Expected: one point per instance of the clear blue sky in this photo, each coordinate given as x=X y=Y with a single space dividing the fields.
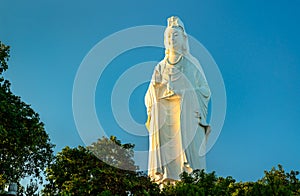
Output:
x=255 y=44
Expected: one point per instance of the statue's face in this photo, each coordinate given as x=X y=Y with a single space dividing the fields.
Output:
x=175 y=38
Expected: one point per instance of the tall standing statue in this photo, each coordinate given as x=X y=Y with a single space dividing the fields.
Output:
x=177 y=101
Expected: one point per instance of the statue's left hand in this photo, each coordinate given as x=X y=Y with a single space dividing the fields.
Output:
x=167 y=94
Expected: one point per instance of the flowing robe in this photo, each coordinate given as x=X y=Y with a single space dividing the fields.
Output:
x=177 y=124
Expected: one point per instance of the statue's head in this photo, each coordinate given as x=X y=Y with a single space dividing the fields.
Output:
x=175 y=37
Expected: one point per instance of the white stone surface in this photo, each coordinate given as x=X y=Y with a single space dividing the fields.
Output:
x=176 y=101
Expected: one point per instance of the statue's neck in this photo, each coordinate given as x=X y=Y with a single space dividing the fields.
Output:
x=174 y=57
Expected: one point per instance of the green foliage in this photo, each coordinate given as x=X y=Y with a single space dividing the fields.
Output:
x=200 y=183
x=25 y=148
x=4 y=56
x=112 y=152
x=275 y=182
x=2 y=182
x=77 y=171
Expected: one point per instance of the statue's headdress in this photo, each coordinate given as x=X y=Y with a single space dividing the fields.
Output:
x=174 y=22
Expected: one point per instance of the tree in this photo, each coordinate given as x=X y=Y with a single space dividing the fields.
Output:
x=78 y=171
x=196 y=183
x=277 y=182
x=2 y=183
x=25 y=148
x=114 y=153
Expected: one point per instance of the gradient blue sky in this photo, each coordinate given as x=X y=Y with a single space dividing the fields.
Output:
x=255 y=44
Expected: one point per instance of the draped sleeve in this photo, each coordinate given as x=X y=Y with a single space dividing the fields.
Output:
x=151 y=94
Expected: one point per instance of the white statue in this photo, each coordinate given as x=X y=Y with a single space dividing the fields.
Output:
x=177 y=101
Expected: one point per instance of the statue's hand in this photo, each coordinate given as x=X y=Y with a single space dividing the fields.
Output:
x=167 y=94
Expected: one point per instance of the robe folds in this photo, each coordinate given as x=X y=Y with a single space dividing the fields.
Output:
x=177 y=124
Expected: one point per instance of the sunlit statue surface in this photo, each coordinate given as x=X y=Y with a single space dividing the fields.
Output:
x=177 y=103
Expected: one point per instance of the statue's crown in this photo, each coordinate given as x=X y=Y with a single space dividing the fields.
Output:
x=174 y=21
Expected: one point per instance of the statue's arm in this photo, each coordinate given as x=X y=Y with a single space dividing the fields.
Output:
x=157 y=75
x=150 y=96
x=148 y=103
